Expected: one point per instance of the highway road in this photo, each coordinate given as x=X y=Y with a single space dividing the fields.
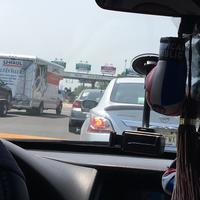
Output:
x=47 y=125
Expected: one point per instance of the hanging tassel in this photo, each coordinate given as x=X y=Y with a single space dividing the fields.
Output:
x=187 y=186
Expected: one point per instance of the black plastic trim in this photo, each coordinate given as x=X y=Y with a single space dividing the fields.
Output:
x=77 y=146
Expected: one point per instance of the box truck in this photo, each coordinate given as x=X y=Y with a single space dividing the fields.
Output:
x=34 y=82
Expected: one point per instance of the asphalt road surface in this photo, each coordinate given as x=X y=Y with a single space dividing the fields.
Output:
x=47 y=125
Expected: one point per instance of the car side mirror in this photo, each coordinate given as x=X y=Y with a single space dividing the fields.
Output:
x=144 y=63
x=88 y=104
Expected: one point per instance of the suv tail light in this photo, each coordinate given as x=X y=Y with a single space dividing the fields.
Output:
x=99 y=125
x=76 y=104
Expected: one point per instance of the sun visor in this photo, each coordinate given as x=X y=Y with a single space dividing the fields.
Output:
x=176 y=8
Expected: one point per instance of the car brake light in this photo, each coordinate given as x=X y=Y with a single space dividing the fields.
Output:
x=99 y=125
x=76 y=104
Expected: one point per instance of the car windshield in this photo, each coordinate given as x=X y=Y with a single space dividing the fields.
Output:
x=54 y=53
x=131 y=93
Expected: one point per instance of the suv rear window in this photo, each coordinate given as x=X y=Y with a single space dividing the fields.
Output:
x=131 y=93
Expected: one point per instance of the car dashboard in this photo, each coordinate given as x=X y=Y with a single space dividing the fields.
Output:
x=67 y=174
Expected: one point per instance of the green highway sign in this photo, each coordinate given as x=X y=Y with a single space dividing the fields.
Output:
x=83 y=67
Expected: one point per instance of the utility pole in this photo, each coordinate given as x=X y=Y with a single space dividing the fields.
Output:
x=125 y=66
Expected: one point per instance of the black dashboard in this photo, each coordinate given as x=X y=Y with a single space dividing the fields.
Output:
x=82 y=175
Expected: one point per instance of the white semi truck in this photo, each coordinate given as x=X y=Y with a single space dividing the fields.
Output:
x=34 y=82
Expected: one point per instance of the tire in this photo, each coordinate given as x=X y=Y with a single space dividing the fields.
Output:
x=9 y=97
x=3 y=109
x=73 y=128
x=30 y=111
x=59 y=109
x=40 y=110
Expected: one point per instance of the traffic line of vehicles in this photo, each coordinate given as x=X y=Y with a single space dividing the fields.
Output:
x=118 y=109
x=29 y=83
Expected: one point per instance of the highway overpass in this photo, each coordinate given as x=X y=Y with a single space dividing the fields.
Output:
x=88 y=78
x=84 y=76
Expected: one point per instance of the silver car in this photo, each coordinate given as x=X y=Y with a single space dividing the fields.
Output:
x=78 y=113
x=120 y=109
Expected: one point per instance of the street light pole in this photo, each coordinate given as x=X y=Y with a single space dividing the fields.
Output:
x=125 y=66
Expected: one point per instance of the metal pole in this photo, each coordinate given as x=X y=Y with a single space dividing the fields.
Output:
x=146 y=114
x=147 y=110
x=125 y=67
x=93 y=84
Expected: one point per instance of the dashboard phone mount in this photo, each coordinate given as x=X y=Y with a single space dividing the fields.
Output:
x=142 y=141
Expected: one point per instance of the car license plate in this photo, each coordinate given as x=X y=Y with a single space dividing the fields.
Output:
x=170 y=138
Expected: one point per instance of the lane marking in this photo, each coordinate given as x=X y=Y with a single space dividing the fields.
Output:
x=23 y=136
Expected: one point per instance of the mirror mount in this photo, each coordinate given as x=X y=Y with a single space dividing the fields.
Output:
x=143 y=64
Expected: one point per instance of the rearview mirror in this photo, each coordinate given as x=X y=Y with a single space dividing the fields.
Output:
x=176 y=8
x=144 y=63
x=88 y=104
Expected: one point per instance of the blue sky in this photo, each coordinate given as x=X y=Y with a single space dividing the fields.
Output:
x=77 y=30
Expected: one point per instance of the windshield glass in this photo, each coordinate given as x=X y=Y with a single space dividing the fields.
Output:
x=51 y=51
x=131 y=93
